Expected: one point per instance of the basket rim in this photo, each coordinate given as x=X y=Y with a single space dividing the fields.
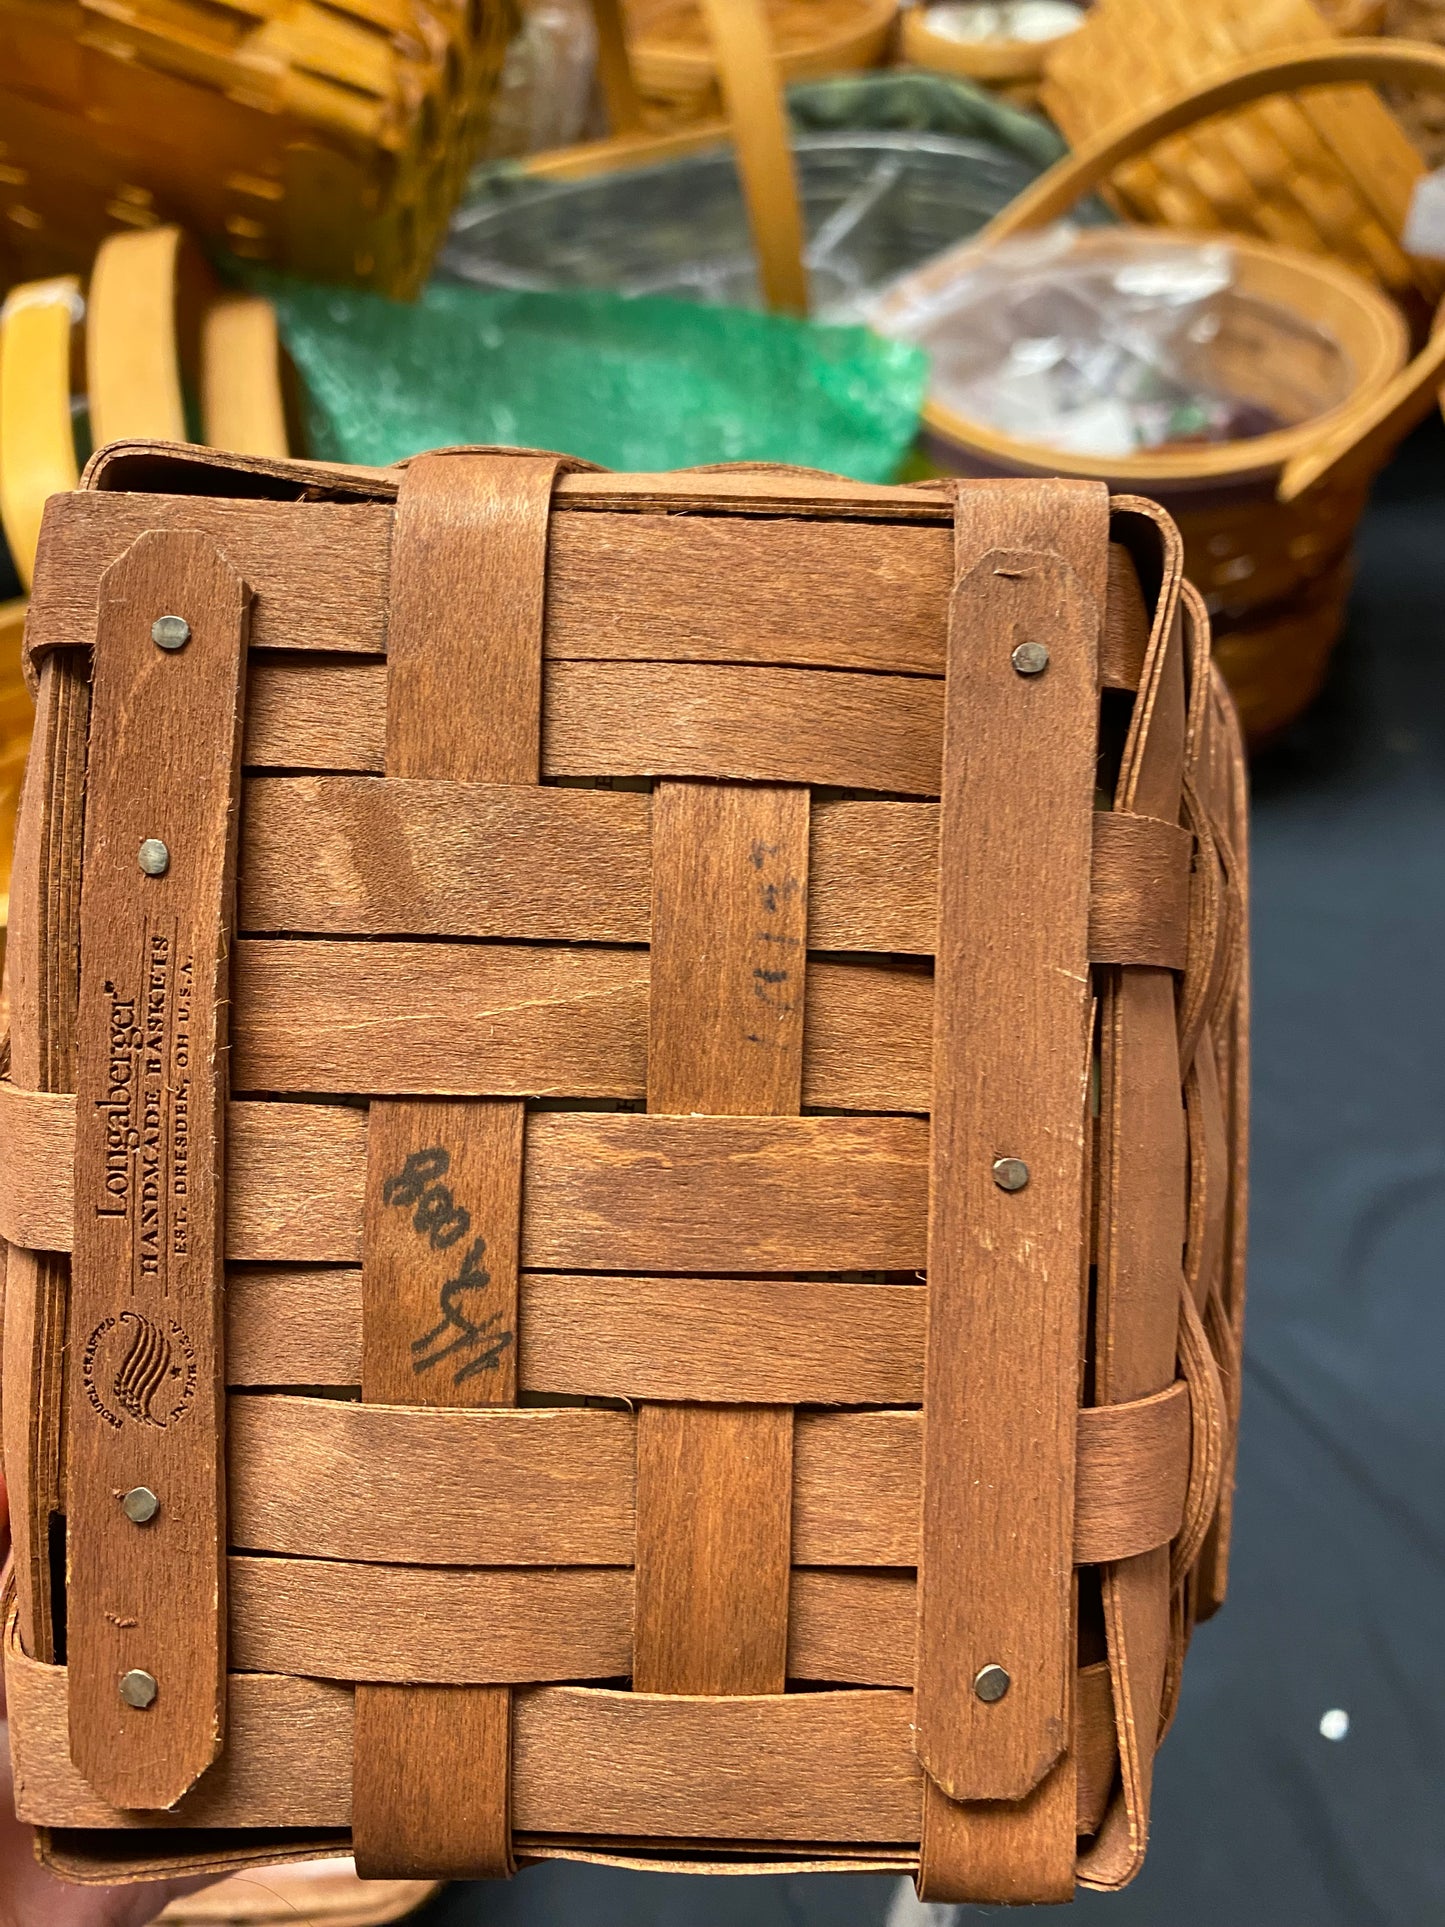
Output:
x=994 y=60
x=664 y=63
x=1376 y=362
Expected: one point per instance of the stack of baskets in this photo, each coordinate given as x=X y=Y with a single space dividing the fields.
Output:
x=332 y=138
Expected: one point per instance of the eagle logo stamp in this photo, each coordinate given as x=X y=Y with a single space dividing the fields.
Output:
x=135 y=1370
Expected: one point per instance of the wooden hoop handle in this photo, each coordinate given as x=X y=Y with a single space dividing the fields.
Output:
x=156 y=322
x=749 y=76
x=1365 y=432
x=37 y=436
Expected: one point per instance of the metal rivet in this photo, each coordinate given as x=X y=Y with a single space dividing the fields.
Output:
x=137 y=1688
x=170 y=632
x=155 y=858
x=1030 y=658
x=1010 y=1174
x=991 y=1683
x=140 y=1505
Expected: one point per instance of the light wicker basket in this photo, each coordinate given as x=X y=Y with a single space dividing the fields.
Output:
x=676 y=71
x=1331 y=172
x=1423 y=120
x=1014 y=68
x=329 y=139
x=1267 y=523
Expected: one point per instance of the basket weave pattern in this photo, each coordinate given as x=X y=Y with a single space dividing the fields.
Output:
x=584 y=1104
x=337 y=139
x=1331 y=171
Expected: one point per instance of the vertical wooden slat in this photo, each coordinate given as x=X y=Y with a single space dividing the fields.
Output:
x=146 y=1601
x=1007 y=1221
x=432 y=1766
x=714 y=1483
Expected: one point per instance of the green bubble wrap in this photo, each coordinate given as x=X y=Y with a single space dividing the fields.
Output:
x=632 y=384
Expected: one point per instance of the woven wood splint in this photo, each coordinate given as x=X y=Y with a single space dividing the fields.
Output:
x=672 y=915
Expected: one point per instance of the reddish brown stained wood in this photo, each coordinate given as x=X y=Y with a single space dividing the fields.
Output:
x=729 y=949
x=407 y=1742
x=344 y=856
x=539 y=1487
x=507 y=1019
x=1006 y=1268
x=742 y=1340
x=786 y=1766
x=855 y=1485
x=288 y=1761
x=145 y=1354
x=439 y=1276
x=603 y=1191
x=443 y=1197
x=968 y=1856
x=330 y=1619
x=610 y=1192
x=41 y=966
x=293 y=1327
x=638 y=719
x=725 y=1036
x=469 y=546
x=853 y=1628
x=714 y=1498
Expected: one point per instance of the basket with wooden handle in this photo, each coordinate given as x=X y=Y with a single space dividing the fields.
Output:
x=1331 y=171
x=660 y=213
x=1267 y=522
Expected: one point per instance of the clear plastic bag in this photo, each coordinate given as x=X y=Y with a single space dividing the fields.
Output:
x=1113 y=343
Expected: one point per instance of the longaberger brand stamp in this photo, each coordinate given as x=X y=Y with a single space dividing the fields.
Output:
x=145 y=1106
x=136 y=1368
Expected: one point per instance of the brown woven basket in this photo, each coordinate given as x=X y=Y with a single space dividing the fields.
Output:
x=1331 y=171
x=1267 y=523
x=640 y=1163
x=330 y=139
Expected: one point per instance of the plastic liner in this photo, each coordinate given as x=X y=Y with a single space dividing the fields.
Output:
x=1112 y=344
x=892 y=169
x=629 y=384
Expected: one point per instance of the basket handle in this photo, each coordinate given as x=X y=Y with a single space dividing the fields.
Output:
x=750 y=80
x=1368 y=430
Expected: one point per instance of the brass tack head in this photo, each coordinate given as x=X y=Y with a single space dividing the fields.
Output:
x=138 y=1689
x=1030 y=658
x=991 y=1683
x=1010 y=1174
x=170 y=632
x=140 y=1505
x=155 y=858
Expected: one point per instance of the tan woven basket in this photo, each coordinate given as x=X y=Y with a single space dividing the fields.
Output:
x=1332 y=171
x=333 y=140
x=1267 y=523
x=1422 y=119
x=640 y=1164
x=671 y=46
x=1014 y=68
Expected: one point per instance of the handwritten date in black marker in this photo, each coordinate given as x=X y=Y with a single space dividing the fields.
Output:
x=438 y=1217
